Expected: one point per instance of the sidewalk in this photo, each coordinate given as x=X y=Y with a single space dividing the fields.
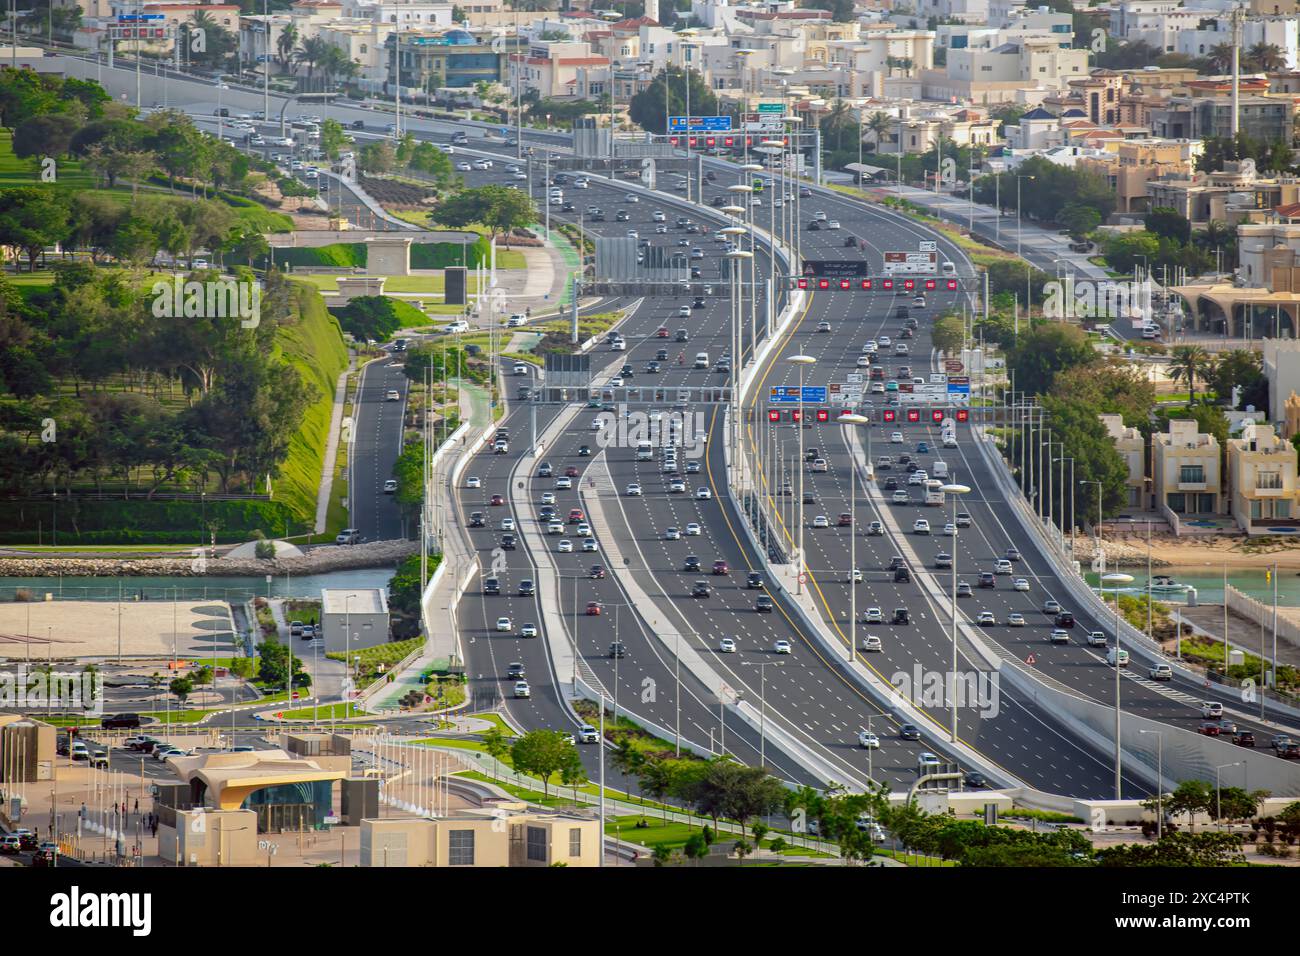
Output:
x=332 y=447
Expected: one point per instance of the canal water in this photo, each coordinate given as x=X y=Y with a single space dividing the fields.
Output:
x=1209 y=584
x=235 y=590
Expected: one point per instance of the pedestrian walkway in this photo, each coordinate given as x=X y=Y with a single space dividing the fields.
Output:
x=332 y=448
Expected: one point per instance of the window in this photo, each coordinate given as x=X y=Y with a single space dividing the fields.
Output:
x=1191 y=474
x=1269 y=480
x=537 y=844
x=575 y=842
x=460 y=848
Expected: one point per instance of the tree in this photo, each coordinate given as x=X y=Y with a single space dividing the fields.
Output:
x=497 y=746
x=311 y=54
x=743 y=850
x=181 y=688
x=49 y=135
x=496 y=208
x=628 y=759
x=1169 y=224
x=1079 y=219
x=32 y=218
x=1267 y=57
x=1045 y=350
x=666 y=95
x=696 y=848
x=878 y=124
x=377 y=157
x=242 y=667
x=284 y=46
x=948 y=334
x=1190 y=797
x=1220 y=57
x=333 y=138
x=1243 y=369
x=1189 y=363
x=541 y=753
x=841 y=11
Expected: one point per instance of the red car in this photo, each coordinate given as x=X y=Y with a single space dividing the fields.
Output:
x=597 y=572
x=593 y=609
x=720 y=567
x=576 y=515
x=498 y=499
x=1210 y=728
x=846 y=520
x=571 y=471
x=661 y=332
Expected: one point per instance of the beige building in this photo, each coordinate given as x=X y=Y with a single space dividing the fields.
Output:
x=1262 y=476
x=1188 y=477
x=27 y=748
x=1282 y=369
x=1132 y=448
x=1137 y=162
x=505 y=835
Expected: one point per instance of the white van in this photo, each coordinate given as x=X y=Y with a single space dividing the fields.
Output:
x=939 y=469
x=1123 y=657
x=458 y=326
x=949 y=269
x=701 y=360
x=645 y=451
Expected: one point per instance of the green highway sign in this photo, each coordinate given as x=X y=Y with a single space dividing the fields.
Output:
x=771 y=107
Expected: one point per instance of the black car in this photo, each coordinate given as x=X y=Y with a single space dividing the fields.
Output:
x=909 y=732
x=896 y=562
x=358 y=124
x=476 y=520
x=661 y=355
x=763 y=605
x=508 y=542
x=986 y=580
x=902 y=575
x=617 y=649
x=700 y=589
x=681 y=336
x=1065 y=619
x=976 y=781
x=584 y=451
x=718 y=201
x=901 y=616
x=492 y=586
x=891 y=484
x=515 y=671
x=811 y=454
x=121 y=721
x=626 y=371
x=546 y=514
x=698 y=303
x=653 y=368
x=1243 y=738
x=814 y=226
x=754 y=580
x=809 y=498
x=692 y=563
x=526 y=588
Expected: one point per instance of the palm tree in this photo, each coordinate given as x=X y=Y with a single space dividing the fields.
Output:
x=1267 y=57
x=879 y=124
x=314 y=51
x=1221 y=56
x=1190 y=362
x=284 y=44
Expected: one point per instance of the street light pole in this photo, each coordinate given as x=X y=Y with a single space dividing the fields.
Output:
x=955 y=490
x=852 y=418
x=802 y=361
x=1160 y=781
x=1117 y=579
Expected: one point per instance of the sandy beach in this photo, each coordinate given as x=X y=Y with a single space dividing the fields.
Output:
x=1198 y=552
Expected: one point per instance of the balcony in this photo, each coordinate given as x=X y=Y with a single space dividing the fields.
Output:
x=1269 y=492
x=1193 y=486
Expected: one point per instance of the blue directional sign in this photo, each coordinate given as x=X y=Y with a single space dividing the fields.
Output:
x=958 y=385
x=789 y=395
x=699 y=124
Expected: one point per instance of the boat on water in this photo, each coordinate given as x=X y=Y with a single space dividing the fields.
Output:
x=1164 y=584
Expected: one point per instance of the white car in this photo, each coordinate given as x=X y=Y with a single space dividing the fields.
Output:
x=1015 y=619
x=921 y=526
x=1051 y=607
x=503 y=624
x=659 y=216
x=926 y=762
x=782 y=647
x=684 y=312
x=563 y=483
x=896 y=438
x=548 y=497
x=522 y=690
x=589 y=545
x=631 y=197
x=672 y=534
x=986 y=617
x=565 y=546
x=901 y=497
x=950 y=529
x=872 y=643
x=868 y=740
x=390 y=486
x=856 y=576
x=693 y=530
x=1059 y=636
x=1020 y=584
x=634 y=490
x=588 y=734
x=464 y=167
x=507 y=524
x=555 y=527
x=833 y=224
x=703 y=494
x=473 y=482
x=520 y=368
x=821 y=521
x=583 y=530
x=727 y=646
x=677 y=486
x=528 y=630
x=597 y=424
x=873 y=615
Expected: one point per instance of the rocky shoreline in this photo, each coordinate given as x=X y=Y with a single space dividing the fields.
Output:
x=374 y=554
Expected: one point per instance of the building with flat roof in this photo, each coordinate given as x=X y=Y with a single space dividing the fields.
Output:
x=504 y=835
x=1188 y=475
x=285 y=791
x=27 y=748
x=1262 y=476
x=354 y=617
x=1132 y=448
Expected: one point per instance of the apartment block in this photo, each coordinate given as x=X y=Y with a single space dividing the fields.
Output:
x=1132 y=448
x=1262 y=476
x=1188 y=477
x=1282 y=369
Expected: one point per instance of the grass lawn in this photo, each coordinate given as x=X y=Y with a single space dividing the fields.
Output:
x=522 y=793
x=326 y=712
x=500 y=724
x=70 y=174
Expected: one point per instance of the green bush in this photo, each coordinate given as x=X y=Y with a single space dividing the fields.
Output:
x=91 y=521
x=347 y=255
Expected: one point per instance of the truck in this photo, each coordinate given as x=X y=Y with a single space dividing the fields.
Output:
x=645 y=451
